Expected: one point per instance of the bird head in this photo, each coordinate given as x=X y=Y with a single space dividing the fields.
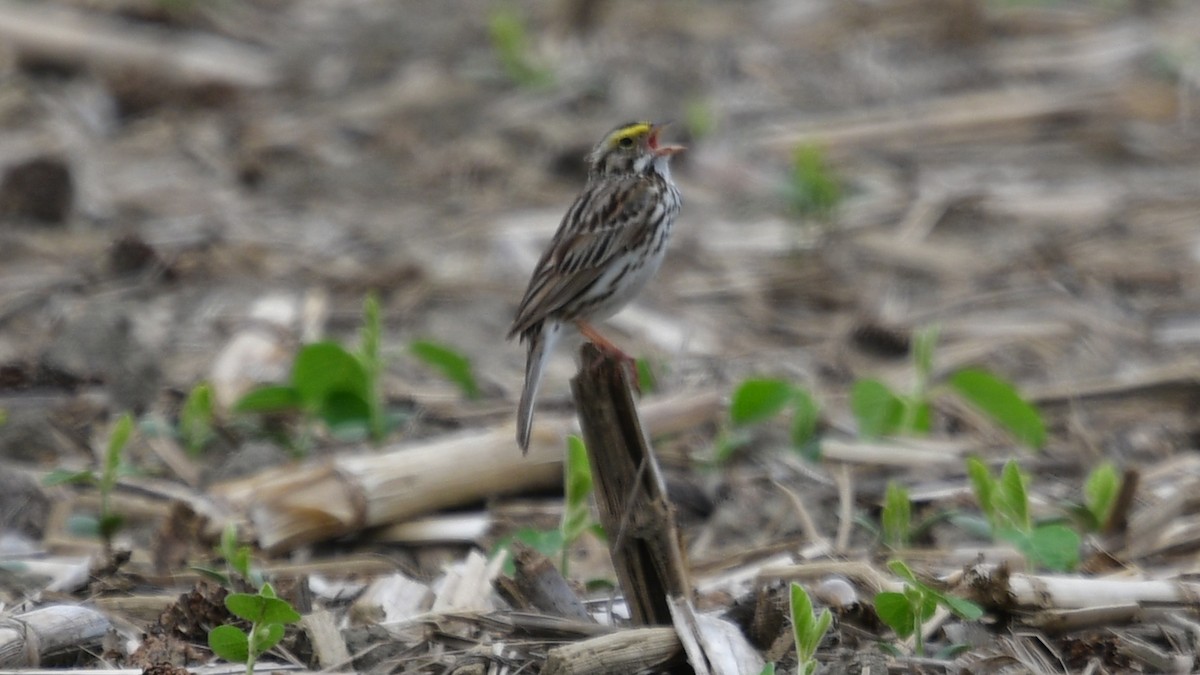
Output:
x=631 y=148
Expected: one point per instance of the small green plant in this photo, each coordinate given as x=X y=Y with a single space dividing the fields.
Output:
x=758 y=400
x=336 y=386
x=196 y=420
x=647 y=378
x=880 y=411
x=1100 y=493
x=999 y=400
x=108 y=523
x=267 y=615
x=807 y=629
x=905 y=612
x=237 y=562
x=1004 y=501
x=577 y=514
x=511 y=43
x=896 y=518
x=450 y=363
x=814 y=190
x=698 y=118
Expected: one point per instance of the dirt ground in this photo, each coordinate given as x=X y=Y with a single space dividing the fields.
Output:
x=1024 y=175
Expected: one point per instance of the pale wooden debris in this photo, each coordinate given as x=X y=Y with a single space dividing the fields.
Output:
x=467 y=585
x=100 y=40
x=295 y=505
x=327 y=643
x=1063 y=592
x=1010 y=113
x=391 y=599
x=26 y=639
x=713 y=646
x=628 y=651
x=894 y=452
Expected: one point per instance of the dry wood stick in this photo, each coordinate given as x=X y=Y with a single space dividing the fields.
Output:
x=630 y=492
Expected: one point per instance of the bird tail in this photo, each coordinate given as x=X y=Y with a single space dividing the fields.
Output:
x=541 y=341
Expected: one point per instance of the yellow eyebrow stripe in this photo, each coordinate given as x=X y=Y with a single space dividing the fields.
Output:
x=634 y=131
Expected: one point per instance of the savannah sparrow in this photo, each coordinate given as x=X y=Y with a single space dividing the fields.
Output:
x=608 y=245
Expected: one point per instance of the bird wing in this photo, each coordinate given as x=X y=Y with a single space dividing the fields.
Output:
x=602 y=223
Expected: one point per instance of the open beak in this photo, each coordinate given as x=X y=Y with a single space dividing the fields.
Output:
x=662 y=150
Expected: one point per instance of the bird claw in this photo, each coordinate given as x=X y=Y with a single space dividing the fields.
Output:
x=609 y=350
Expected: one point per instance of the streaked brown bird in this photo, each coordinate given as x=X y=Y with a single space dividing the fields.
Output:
x=608 y=245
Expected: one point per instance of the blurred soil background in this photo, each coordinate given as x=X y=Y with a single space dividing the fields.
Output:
x=179 y=179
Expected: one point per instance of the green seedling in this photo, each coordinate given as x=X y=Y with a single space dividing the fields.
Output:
x=647 y=379
x=814 y=190
x=905 y=612
x=1004 y=501
x=896 y=518
x=511 y=43
x=196 y=420
x=108 y=523
x=1100 y=494
x=698 y=118
x=1000 y=401
x=758 y=400
x=450 y=363
x=577 y=514
x=807 y=629
x=267 y=615
x=237 y=562
x=880 y=411
x=333 y=385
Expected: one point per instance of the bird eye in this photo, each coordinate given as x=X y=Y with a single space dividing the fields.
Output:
x=626 y=142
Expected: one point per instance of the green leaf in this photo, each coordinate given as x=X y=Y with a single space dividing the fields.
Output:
x=999 y=400
x=877 y=409
x=269 y=399
x=896 y=518
x=547 y=542
x=961 y=606
x=118 y=438
x=984 y=486
x=229 y=643
x=265 y=636
x=369 y=338
x=1100 y=492
x=805 y=418
x=347 y=414
x=815 y=191
x=901 y=570
x=578 y=484
x=808 y=630
x=1055 y=547
x=65 y=476
x=322 y=368
x=261 y=607
x=1012 y=500
x=894 y=610
x=923 y=344
x=450 y=363
x=915 y=416
x=768 y=669
x=647 y=381
x=756 y=400
x=196 y=419
x=507 y=29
